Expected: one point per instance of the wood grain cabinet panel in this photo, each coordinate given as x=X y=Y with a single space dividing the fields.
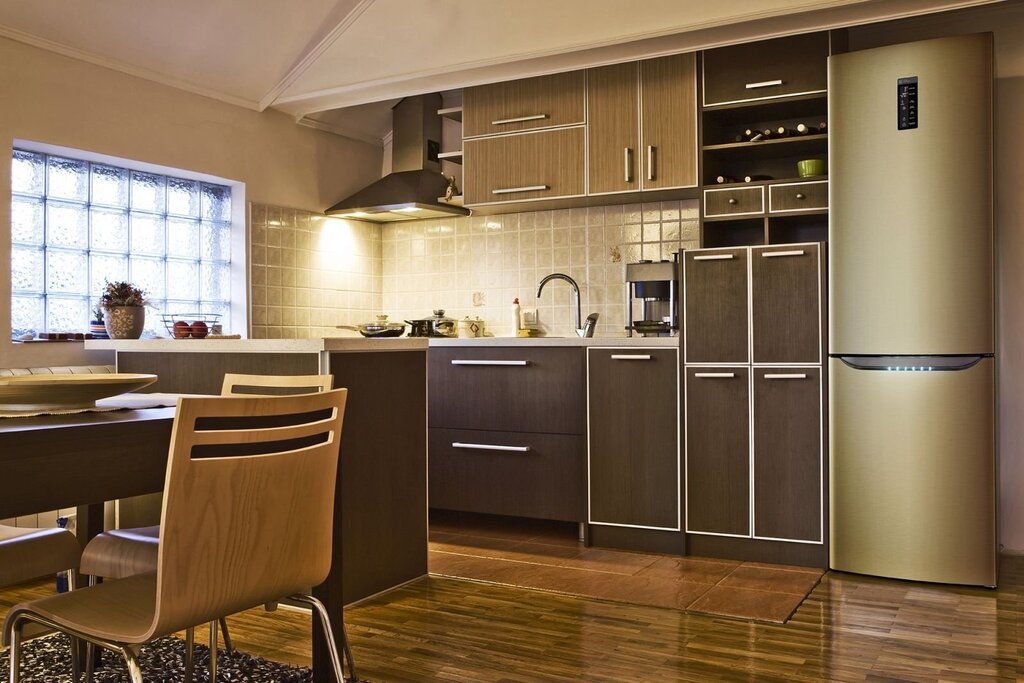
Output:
x=715 y=305
x=734 y=201
x=633 y=406
x=794 y=197
x=543 y=476
x=507 y=389
x=788 y=453
x=767 y=69
x=613 y=128
x=669 y=121
x=786 y=303
x=510 y=168
x=718 y=450
x=524 y=104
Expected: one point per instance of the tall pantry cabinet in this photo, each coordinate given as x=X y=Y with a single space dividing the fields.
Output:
x=754 y=400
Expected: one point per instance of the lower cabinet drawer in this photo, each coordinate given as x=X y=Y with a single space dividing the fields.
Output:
x=508 y=473
x=734 y=201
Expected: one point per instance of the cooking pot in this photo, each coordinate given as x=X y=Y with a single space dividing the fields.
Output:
x=438 y=326
x=380 y=328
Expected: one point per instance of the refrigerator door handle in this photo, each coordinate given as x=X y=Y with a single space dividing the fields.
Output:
x=913 y=363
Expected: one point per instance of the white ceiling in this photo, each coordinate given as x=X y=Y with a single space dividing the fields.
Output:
x=310 y=56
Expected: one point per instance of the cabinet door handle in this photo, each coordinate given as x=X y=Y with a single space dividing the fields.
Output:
x=732 y=200
x=787 y=375
x=629 y=164
x=519 y=119
x=490 y=447
x=801 y=195
x=763 y=84
x=528 y=188
x=650 y=162
x=713 y=375
x=777 y=254
x=490 y=362
x=714 y=257
x=631 y=356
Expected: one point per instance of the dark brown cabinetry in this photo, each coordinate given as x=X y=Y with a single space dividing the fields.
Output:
x=715 y=311
x=765 y=108
x=754 y=388
x=507 y=431
x=633 y=409
x=787 y=468
x=718 y=450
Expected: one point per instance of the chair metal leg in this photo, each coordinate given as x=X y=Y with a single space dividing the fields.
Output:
x=228 y=647
x=332 y=647
x=190 y=654
x=132 y=660
x=15 y=654
x=213 y=652
x=90 y=662
x=76 y=660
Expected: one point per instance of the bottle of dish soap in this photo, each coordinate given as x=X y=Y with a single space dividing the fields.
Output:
x=517 y=321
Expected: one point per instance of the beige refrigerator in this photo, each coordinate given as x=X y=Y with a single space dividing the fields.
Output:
x=911 y=312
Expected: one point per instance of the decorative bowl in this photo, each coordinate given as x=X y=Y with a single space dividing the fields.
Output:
x=41 y=392
x=807 y=168
x=190 y=325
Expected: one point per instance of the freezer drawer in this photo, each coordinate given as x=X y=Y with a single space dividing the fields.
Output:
x=912 y=473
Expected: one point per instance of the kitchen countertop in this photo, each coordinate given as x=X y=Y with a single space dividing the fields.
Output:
x=560 y=341
x=337 y=344
x=359 y=344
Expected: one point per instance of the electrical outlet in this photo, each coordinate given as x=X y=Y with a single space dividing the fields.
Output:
x=529 y=318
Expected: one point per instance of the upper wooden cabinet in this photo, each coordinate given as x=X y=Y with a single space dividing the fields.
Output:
x=668 y=92
x=641 y=125
x=794 y=65
x=537 y=165
x=524 y=104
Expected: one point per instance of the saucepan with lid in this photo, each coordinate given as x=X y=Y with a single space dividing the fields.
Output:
x=381 y=327
x=438 y=326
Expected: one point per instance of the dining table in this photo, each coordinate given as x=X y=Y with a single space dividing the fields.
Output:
x=49 y=462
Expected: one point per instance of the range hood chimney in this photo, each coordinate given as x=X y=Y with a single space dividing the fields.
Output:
x=415 y=187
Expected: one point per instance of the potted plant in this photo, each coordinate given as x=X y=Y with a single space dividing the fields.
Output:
x=124 y=305
x=96 y=326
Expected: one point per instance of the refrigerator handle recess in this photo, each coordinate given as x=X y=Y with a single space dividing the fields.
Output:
x=913 y=363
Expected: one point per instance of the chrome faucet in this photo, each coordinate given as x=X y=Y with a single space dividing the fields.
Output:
x=582 y=329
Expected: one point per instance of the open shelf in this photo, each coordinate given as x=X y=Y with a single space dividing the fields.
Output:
x=791 y=146
x=803 y=227
x=732 y=232
x=454 y=157
x=453 y=113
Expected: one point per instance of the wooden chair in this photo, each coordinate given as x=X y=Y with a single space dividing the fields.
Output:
x=230 y=540
x=118 y=553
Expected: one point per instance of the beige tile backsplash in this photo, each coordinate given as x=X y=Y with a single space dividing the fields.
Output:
x=310 y=272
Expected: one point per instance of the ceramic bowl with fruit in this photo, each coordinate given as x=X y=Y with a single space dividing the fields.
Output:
x=190 y=325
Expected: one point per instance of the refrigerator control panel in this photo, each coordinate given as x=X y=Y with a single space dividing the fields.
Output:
x=906 y=98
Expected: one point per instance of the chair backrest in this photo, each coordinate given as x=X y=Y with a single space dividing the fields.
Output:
x=257 y=385
x=248 y=504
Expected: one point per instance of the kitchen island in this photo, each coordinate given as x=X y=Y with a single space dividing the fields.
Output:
x=381 y=509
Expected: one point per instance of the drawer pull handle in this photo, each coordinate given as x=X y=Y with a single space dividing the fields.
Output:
x=801 y=195
x=631 y=356
x=490 y=362
x=777 y=254
x=732 y=200
x=714 y=375
x=763 y=84
x=650 y=162
x=629 y=165
x=519 y=119
x=490 y=447
x=793 y=375
x=714 y=257
x=528 y=188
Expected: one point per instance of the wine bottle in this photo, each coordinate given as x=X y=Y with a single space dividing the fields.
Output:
x=768 y=133
x=755 y=178
x=784 y=132
x=722 y=179
x=804 y=129
x=823 y=127
x=756 y=135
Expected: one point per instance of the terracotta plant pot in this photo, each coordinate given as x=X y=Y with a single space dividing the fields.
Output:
x=125 y=322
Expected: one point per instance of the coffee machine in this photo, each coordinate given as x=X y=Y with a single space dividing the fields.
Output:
x=654 y=285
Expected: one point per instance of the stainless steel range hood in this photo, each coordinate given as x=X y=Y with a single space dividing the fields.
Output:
x=415 y=187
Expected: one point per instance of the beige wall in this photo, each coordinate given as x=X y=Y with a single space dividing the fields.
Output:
x=56 y=100
x=1007 y=23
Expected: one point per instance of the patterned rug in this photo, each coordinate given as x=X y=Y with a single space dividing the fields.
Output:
x=48 y=660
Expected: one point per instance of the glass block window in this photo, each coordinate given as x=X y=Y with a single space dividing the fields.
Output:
x=77 y=224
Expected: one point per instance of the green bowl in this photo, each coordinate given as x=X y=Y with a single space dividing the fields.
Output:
x=810 y=167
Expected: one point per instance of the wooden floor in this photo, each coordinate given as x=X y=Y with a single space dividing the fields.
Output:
x=850 y=628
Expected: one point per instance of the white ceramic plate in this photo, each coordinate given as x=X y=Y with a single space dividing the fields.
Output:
x=37 y=392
